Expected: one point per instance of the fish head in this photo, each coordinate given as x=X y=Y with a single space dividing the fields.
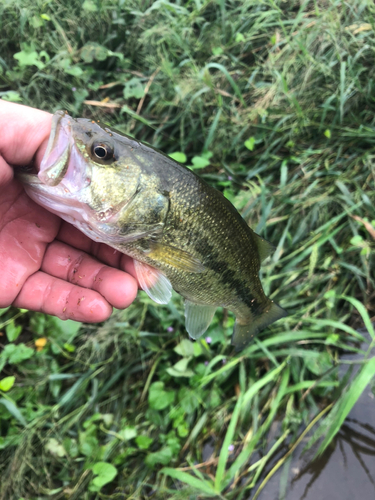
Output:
x=87 y=175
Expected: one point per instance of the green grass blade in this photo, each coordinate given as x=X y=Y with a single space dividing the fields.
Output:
x=235 y=87
x=211 y=132
x=12 y=408
x=336 y=324
x=184 y=477
x=70 y=393
x=245 y=454
x=346 y=402
x=224 y=452
x=250 y=393
x=267 y=352
x=362 y=311
x=285 y=457
x=133 y=114
x=221 y=370
x=196 y=430
x=342 y=90
x=265 y=459
x=307 y=384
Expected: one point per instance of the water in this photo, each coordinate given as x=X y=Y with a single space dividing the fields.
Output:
x=346 y=471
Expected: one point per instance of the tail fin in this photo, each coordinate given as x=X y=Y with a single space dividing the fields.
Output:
x=243 y=334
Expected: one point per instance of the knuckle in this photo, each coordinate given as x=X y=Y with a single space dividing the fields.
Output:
x=98 y=277
x=46 y=298
x=74 y=269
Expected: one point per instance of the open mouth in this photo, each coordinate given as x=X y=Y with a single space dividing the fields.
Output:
x=56 y=158
x=27 y=175
x=63 y=170
x=27 y=170
x=55 y=162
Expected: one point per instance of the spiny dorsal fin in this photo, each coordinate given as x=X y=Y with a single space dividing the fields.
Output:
x=265 y=248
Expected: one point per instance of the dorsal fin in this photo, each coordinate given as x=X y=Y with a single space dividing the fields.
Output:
x=265 y=248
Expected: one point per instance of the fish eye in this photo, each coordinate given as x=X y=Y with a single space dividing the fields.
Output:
x=102 y=151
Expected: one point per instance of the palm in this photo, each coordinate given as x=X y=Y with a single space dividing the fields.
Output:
x=45 y=264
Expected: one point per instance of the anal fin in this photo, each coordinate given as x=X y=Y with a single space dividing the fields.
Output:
x=198 y=318
x=153 y=282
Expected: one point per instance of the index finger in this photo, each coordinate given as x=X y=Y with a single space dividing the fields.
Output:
x=70 y=235
x=77 y=267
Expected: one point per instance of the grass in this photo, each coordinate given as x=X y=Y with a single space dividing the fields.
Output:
x=272 y=103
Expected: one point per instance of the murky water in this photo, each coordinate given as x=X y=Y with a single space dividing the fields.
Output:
x=346 y=471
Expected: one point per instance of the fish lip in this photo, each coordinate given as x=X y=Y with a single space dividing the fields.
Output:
x=27 y=173
x=64 y=173
x=56 y=158
x=27 y=177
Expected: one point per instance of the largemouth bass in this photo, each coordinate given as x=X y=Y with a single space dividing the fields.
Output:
x=182 y=233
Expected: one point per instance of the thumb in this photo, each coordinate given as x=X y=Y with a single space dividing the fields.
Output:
x=6 y=172
x=23 y=132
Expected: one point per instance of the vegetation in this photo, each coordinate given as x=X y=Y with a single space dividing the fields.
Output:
x=271 y=102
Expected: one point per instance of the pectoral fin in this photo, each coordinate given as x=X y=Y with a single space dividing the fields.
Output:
x=198 y=318
x=175 y=257
x=153 y=282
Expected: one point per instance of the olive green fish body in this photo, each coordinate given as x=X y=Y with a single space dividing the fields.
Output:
x=182 y=233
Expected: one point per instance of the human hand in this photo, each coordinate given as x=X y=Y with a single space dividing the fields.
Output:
x=46 y=264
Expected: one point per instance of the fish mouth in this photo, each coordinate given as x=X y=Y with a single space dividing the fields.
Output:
x=63 y=171
x=55 y=162
x=63 y=174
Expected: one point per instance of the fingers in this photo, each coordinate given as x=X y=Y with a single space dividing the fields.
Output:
x=25 y=231
x=6 y=173
x=127 y=264
x=75 y=266
x=44 y=293
x=72 y=236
